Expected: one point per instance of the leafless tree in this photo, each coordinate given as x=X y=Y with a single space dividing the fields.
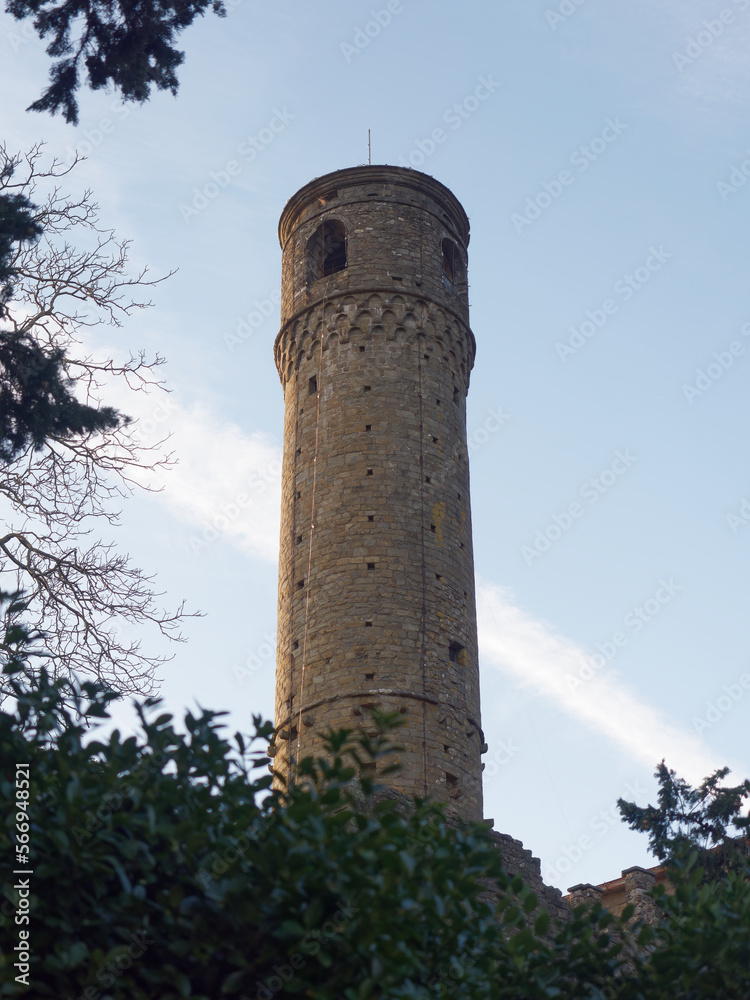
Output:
x=77 y=589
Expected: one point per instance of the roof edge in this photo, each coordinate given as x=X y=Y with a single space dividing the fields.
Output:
x=366 y=174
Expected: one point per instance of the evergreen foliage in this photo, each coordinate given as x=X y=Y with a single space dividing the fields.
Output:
x=37 y=401
x=701 y=949
x=164 y=866
x=67 y=458
x=126 y=43
x=694 y=819
x=17 y=225
x=36 y=396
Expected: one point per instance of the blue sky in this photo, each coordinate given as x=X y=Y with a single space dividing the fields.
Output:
x=601 y=165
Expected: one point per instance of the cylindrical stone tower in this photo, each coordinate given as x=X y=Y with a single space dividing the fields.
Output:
x=376 y=572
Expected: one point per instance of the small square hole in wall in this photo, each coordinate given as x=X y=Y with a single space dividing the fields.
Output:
x=295 y=644
x=457 y=654
x=451 y=780
x=312 y=385
x=462 y=544
x=433 y=528
x=299 y=494
x=371 y=565
x=300 y=584
x=437 y=401
x=370 y=517
x=427 y=357
x=299 y=539
x=369 y=677
x=434 y=439
x=456 y=395
x=299 y=451
x=428 y=479
x=446 y=748
x=438 y=576
x=368 y=624
x=362 y=348
x=368 y=427
x=370 y=472
x=459 y=496
x=367 y=388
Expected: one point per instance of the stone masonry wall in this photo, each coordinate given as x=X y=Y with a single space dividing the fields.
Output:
x=517 y=860
x=376 y=575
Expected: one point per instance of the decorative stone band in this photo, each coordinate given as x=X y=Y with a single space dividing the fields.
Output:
x=369 y=313
x=382 y=692
x=471 y=748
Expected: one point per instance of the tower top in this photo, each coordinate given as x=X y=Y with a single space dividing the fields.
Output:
x=315 y=196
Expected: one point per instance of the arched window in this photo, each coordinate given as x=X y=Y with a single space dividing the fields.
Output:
x=326 y=250
x=452 y=265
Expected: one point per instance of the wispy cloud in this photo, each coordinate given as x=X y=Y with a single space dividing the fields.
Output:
x=645 y=42
x=532 y=652
x=225 y=483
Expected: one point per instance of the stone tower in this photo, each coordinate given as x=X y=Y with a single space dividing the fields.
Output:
x=376 y=571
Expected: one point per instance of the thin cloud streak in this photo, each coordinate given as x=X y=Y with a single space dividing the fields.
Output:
x=529 y=649
x=224 y=483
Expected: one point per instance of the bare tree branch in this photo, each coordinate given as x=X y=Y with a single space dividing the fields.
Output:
x=81 y=593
